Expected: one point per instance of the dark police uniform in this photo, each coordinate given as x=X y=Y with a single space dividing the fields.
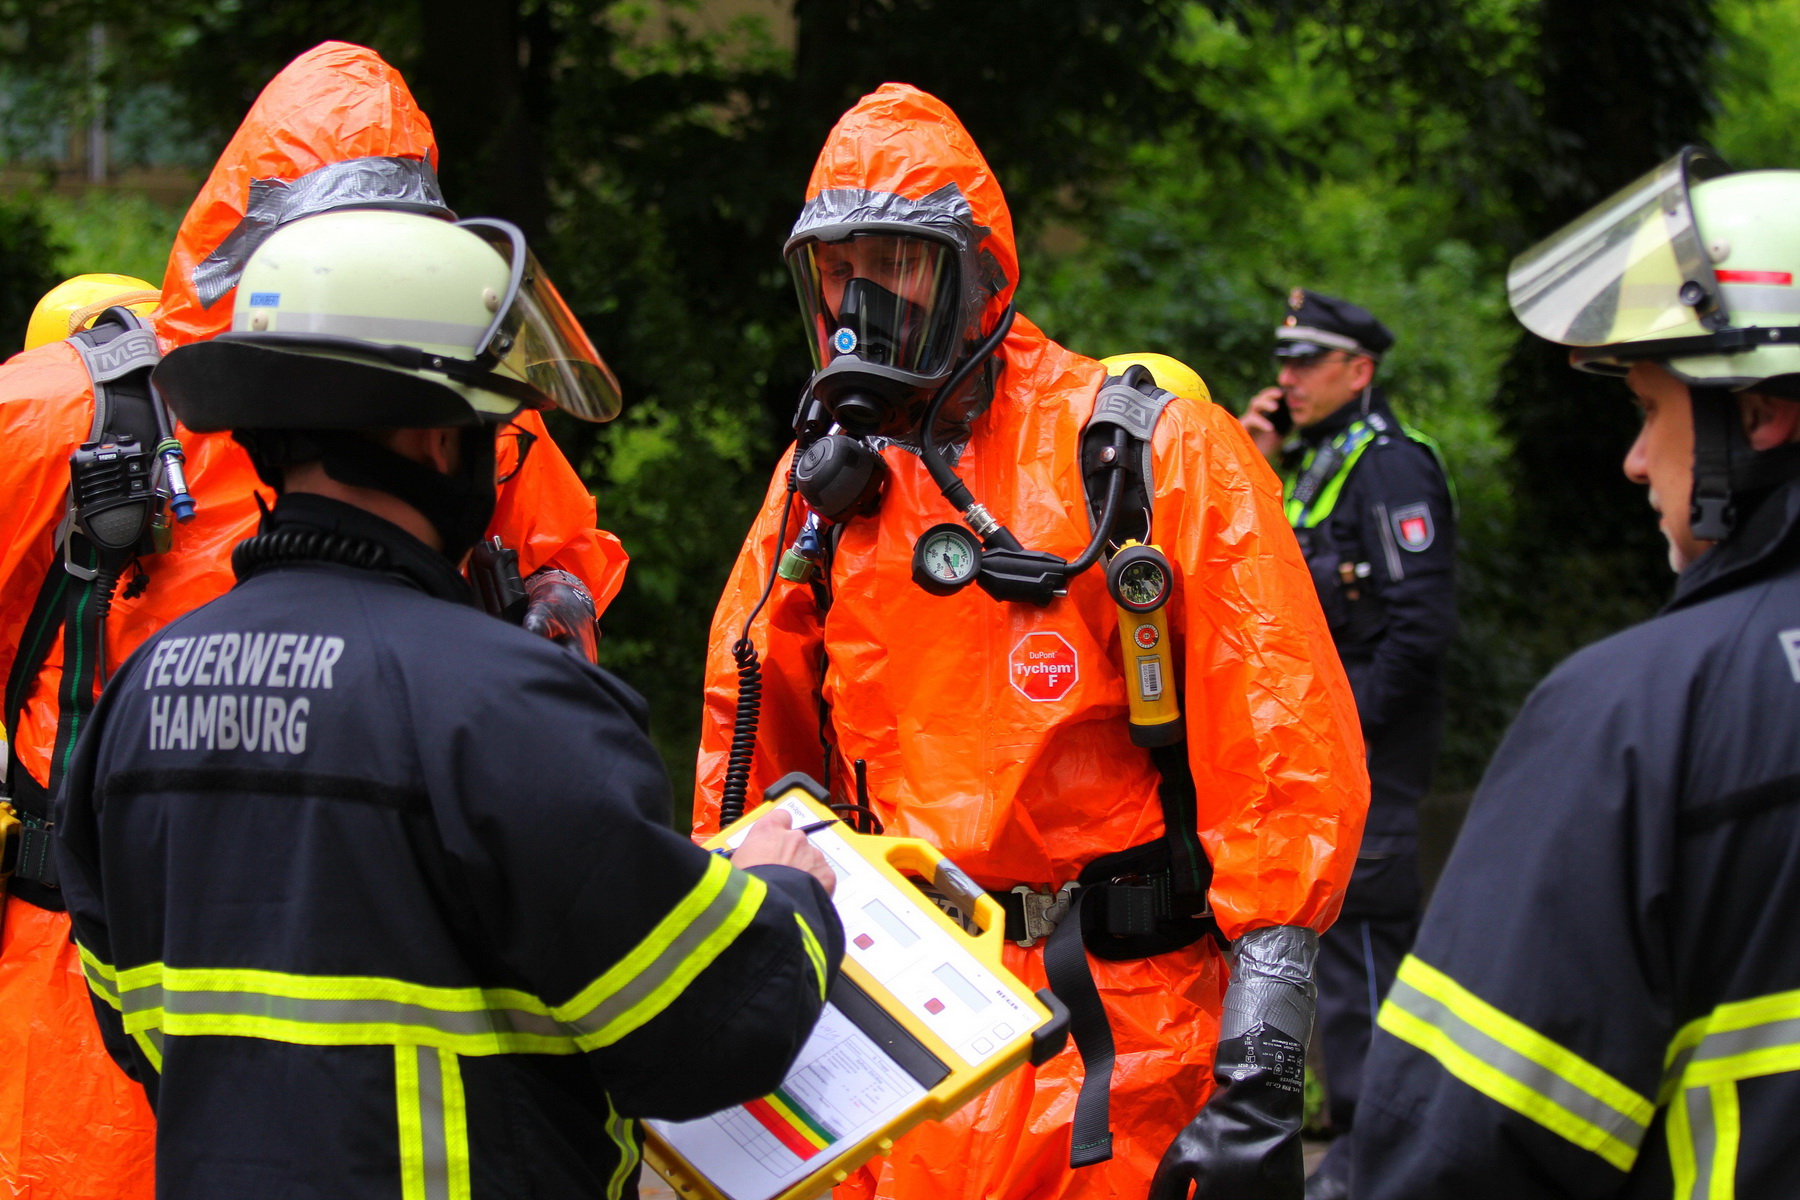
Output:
x=1605 y=997
x=1371 y=505
x=378 y=896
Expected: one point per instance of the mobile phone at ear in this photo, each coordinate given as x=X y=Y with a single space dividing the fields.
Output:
x=1282 y=417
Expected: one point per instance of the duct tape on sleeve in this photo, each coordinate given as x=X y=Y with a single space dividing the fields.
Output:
x=1272 y=983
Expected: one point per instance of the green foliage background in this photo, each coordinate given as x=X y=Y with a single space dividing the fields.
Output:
x=1175 y=168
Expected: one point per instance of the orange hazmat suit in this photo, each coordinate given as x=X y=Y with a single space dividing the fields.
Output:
x=1023 y=781
x=72 y=1126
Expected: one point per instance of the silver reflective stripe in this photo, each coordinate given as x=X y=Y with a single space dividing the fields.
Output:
x=623 y=1132
x=1306 y=333
x=403 y=330
x=672 y=958
x=1516 y=1066
x=1741 y=298
x=1396 y=572
x=102 y=986
x=433 y=1124
x=1728 y=1042
x=1704 y=1139
x=339 y=1012
x=432 y=1141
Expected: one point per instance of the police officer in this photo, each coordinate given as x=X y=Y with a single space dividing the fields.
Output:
x=376 y=893
x=1369 y=499
x=1605 y=996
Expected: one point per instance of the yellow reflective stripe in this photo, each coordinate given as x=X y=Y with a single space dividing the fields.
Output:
x=304 y=1033
x=1679 y=1132
x=1739 y=1040
x=150 y=1042
x=683 y=944
x=326 y=987
x=1351 y=443
x=434 y=1124
x=412 y=1133
x=623 y=1132
x=351 y=1010
x=101 y=978
x=1706 y=1060
x=1514 y=1065
x=814 y=951
x=1704 y=1129
x=456 y=1126
x=1727 y=1127
x=1327 y=499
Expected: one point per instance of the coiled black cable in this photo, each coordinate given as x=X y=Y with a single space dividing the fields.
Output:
x=305 y=545
x=749 y=697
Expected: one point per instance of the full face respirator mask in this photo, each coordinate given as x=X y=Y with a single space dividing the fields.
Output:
x=885 y=311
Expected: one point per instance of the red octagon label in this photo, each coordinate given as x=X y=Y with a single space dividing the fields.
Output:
x=1044 y=667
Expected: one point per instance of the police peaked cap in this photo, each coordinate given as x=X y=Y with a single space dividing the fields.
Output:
x=1316 y=323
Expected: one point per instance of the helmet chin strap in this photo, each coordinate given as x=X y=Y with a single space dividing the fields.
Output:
x=1719 y=446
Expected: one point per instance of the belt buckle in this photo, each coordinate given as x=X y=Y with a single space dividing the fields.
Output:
x=1042 y=911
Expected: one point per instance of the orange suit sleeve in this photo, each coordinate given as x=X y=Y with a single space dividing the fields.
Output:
x=789 y=641
x=546 y=513
x=1273 y=738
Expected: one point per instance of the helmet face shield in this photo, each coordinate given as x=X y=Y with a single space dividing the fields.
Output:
x=890 y=299
x=1633 y=268
x=536 y=339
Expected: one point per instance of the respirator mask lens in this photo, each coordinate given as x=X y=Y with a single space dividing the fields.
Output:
x=889 y=299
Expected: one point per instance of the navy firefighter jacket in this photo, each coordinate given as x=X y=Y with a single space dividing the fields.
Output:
x=378 y=897
x=1604 y=1000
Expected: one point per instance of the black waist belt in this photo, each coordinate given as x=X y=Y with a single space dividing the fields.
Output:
x=1124 y=906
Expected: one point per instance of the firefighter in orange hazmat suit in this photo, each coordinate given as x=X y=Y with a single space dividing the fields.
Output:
x=997 y=730
x=72 y=1126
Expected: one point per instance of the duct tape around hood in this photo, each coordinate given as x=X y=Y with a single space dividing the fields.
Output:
x=403 y=183
x=945 y=210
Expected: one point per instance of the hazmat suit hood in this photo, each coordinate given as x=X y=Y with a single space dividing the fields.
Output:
x=900 y=157
x=334 y=103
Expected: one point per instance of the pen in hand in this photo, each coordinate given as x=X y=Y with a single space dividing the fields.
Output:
x=809 y=830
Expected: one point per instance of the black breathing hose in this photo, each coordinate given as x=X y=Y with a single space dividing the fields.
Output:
x=992 y=533
x=749 y=697
x=1109 y=511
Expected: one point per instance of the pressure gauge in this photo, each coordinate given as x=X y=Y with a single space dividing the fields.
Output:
x=1139 y=578
x=946 y=559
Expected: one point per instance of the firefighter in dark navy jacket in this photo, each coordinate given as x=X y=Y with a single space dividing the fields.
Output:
x=1371 y=503
x=1604 y=1000
x=377 y=893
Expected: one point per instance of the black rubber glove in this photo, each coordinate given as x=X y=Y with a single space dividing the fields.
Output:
x=1245 y=1144
x=559 y=607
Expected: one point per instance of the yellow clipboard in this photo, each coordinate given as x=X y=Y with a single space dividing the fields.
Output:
x=923 y=1018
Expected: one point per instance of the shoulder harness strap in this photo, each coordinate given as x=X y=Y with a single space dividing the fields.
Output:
x=1131 y=402
x=119 y=353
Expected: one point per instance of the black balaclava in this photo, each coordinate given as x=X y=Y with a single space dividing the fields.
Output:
x=459 y=506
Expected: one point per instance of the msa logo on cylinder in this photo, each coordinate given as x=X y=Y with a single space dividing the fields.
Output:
x=1043 y=667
